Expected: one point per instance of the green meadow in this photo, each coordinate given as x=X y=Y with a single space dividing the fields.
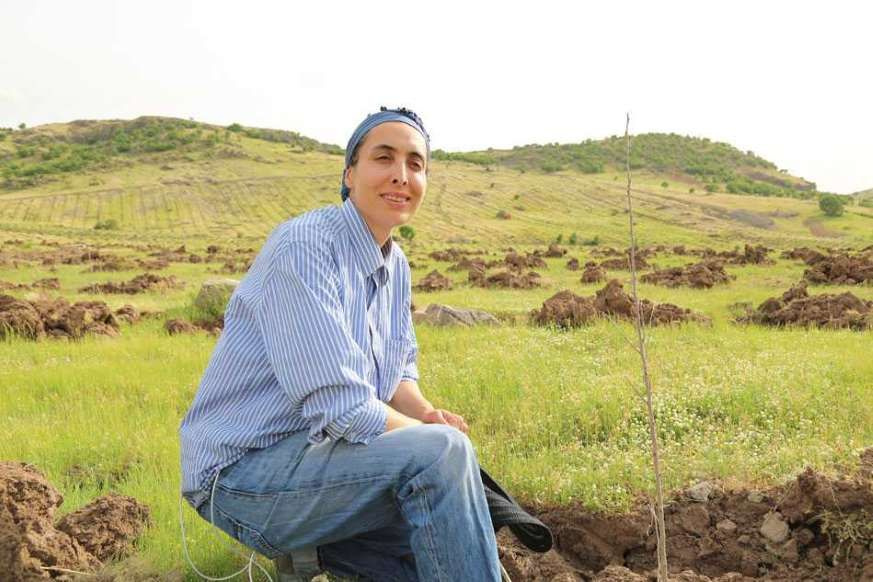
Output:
x=557 y=416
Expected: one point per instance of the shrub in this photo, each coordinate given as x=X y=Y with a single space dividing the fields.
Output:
x=664 y=184
x=559 y=238
x=503 y=215
x=108 y=224
x=691 y=190
x=591 y=242
x=235 y=127
x=866 y=203
x=831 y=205
x=407 y=233
x=572 y=240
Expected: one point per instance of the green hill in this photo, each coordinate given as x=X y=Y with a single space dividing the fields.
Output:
x=721 y=167
x=169 y=179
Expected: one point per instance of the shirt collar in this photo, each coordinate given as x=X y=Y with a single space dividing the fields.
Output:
x=364 y=247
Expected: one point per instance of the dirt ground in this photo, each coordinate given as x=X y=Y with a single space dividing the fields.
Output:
x=57 y=318
x=510 y=279
x=826 y=310
x=139 y=284
x=812 y=528
x=33 y=546
x=434 y=281
x=566 y=309
x=839 y=269
x=703 y=275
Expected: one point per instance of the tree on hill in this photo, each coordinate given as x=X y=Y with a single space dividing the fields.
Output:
x=831 y=205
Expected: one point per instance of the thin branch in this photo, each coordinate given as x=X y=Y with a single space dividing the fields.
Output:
x=641 y=338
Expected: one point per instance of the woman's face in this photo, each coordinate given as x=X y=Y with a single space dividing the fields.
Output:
x=389 y=180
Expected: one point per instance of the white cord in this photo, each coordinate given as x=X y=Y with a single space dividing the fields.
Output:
x=251 y=559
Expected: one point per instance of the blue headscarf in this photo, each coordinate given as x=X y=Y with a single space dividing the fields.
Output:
x=402 y=115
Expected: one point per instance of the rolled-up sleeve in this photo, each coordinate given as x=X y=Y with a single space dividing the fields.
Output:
x=311 y=349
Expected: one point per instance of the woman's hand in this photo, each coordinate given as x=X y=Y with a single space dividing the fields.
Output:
x=441 y=416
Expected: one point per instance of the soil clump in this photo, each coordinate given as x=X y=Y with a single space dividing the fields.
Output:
x=139 y=284
x=827 y=310
x=34 y=547
x=573 y=264
x=566 y=309
x=703 y=275
x=510 y=279
x=593 y=273
x=210 y=326
x=434 y=281
x=811 y=528
x=517 y=262
x=55 y=318
x=840 y=269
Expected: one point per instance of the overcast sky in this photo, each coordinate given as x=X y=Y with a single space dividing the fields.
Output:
x=789 y=80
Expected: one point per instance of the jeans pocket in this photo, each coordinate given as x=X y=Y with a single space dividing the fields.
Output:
x=251 y=538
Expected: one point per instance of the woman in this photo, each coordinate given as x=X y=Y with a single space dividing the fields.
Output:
x=309 y=439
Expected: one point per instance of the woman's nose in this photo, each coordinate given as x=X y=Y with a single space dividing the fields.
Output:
x=400 y=176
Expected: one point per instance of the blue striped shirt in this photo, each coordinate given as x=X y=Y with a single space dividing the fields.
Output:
x=315 y=336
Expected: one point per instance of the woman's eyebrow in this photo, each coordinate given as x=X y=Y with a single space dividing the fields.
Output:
x=385 y=146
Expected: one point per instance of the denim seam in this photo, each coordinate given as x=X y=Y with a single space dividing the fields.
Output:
x=428 y=533
x=255 y=534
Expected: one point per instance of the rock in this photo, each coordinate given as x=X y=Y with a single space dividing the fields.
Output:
x=755 y=497
x=443 y=315
x=694 y=519
x=701 y=491
x=214 y=295
x=786 y=551
x=774 y=528
x=726 y=526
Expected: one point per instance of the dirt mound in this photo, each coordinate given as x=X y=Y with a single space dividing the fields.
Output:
x=51 y=283
x=452 y=254
x=33 y=548
x=554 y=251
x=573 y=264
x=56 y=318
x=623 y=263
x=812 y=528
x=139 y=284
x=805 y=254
x=434 y=281
x=797 y=307
x=840 y=269
x=703 y=275
x=566 y=309
x=506 y=280
x=593 y=273
x=517 y=262
x=468 y=264
x=177 y=326
x=751 y=255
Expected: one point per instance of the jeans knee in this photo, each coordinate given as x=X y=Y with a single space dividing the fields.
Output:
x=439 y=443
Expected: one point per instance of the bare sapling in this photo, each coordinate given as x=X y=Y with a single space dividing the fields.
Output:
x=658 y=510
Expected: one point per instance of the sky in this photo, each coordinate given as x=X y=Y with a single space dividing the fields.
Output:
x=790 y=81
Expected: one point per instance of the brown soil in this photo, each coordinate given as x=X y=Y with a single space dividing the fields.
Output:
x=467 y=264
x=805 y=254
x=51 y=283
x=751 y=255
x=434 y=281
x=797 y=307
x=703 y=275
x=554 y=251
x=593 y=273
x=566 y=309
x=517 y=262
x=31 y=545
x=56 y=318
x=506 y=279
x=452 y=254
x=139 y=284
x=840 y=269
x=623 y=263
x=573 y=264
x=177 y=326
x=812 y=528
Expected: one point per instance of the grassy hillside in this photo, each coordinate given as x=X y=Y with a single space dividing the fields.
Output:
x=170 y=179
x=719 y=166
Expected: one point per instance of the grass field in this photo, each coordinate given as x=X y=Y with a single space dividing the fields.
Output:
x=557 y=416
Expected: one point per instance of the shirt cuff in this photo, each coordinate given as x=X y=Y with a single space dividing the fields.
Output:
x=361 y=424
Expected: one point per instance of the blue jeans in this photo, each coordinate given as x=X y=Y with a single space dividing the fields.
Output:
x=408 y=506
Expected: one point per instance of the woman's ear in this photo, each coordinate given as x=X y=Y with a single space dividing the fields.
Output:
x=347 y=177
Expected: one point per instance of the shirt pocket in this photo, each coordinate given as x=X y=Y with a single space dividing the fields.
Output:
x=398 y=353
